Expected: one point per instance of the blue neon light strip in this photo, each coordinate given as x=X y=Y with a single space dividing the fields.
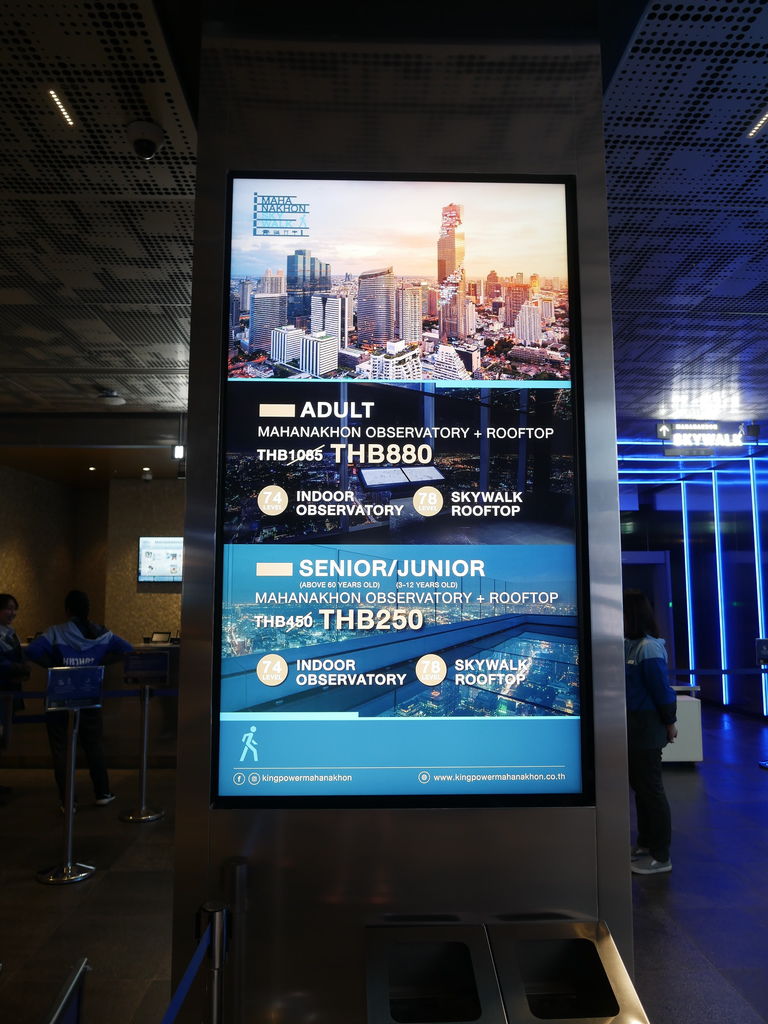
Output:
x=631 y=478
x=720 y=587
x=648 y=476
x=664 y=466
x=687 y=561
x=647 y=441
x=684 y=458
x=645 y=482
x=672 y=465
x=758 y=569
x=658 y=470
x=634 y=440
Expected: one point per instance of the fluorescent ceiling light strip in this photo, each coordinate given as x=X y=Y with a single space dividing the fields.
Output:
x=760 y=124
x=62 y=109
x=720 y=586
x=759 y=581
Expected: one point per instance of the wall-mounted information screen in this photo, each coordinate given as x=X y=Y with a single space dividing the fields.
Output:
x=160 y=559
x=400 y=610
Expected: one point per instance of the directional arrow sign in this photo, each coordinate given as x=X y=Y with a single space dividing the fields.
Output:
x=663 y=431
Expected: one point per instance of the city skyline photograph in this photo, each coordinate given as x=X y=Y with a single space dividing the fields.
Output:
x=360 y=226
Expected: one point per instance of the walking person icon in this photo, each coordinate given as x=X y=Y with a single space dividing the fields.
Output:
x=249 y=743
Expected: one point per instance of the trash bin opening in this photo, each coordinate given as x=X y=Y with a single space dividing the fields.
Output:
x=565 y=979
x=432 y=983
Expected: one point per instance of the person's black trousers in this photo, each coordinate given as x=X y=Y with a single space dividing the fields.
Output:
x=654 y=819
x=90 y=739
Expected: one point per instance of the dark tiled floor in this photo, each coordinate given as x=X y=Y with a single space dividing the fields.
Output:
x=120 y=918
x=701 y=932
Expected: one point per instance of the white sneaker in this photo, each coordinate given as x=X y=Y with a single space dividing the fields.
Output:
x=102 y=801
x=650 y=866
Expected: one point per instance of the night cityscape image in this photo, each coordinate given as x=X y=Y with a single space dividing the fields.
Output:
x=508 y=651
x=527 y=671
x=524 y=450
x=398 y=281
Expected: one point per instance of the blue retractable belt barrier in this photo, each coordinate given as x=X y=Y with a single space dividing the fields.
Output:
x=21 y=719
x=41 y=694
x=185 y=984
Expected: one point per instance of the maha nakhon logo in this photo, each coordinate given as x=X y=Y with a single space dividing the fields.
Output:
x=281 y=216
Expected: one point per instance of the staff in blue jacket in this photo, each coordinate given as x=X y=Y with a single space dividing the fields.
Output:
x=13 y=670
x=78 y=641
x=651 y=716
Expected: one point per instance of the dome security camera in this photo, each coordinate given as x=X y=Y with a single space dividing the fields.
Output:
x=146 y=137
x=108 y=396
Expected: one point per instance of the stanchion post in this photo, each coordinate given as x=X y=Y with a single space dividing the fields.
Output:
x=68 y=872
x=235 y=876
x=143 y=813
x=73 y=727
x=217 y=916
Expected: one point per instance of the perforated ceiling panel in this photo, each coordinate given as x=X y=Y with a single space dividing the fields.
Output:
x=95 y=242
x=688 y=213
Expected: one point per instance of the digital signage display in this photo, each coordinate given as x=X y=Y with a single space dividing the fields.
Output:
x=160 y=559
x=400 y=603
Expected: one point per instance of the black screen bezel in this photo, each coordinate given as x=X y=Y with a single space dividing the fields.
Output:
x=586 y=796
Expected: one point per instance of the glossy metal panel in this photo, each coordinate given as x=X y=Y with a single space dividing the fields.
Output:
x=316 y=879
x=532 y=960
x=614 y=893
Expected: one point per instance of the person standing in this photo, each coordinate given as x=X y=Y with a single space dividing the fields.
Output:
x=651 y=717
x=78 y=642
x=13 y=670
